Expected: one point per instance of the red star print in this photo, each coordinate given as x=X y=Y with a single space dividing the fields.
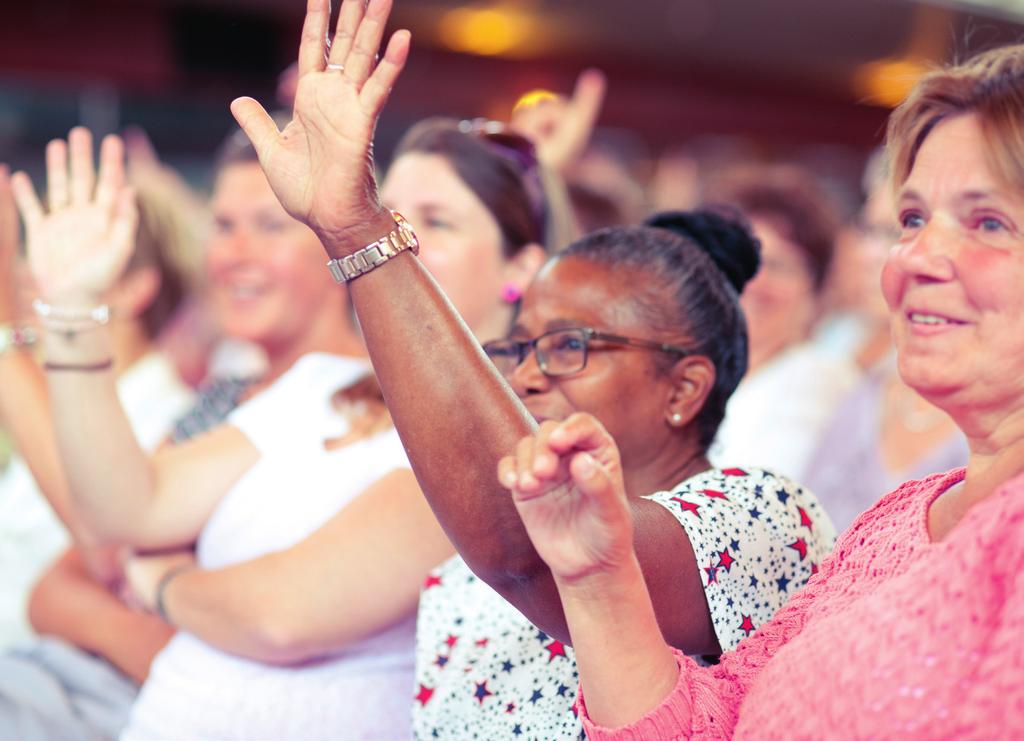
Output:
x=734 y=472
x=814 y=569
x=431 y=581
x=688 y=506
x=712 y=572
x=451 y=641
x=747 y=625
x=800 y=546
x=556 y=648
x=424 y=695
x=805 y=519
x=482 y=642
x=725 y=561
x=715 y=494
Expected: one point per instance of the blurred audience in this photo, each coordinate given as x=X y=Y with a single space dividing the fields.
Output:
x=791 y=390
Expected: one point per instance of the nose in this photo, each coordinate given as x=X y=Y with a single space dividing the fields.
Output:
x=527 y=377
x=930 y=255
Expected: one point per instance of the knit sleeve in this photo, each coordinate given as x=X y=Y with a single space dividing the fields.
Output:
x=705 y=702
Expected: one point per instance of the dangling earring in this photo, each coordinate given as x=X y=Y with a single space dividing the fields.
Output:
x=510 y=293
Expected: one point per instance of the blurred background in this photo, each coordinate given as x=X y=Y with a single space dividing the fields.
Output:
x=804 y=80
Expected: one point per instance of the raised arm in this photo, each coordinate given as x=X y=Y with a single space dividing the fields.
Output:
x=456 y=415
x=78 y=248
x=358 y=574
x=567 y=486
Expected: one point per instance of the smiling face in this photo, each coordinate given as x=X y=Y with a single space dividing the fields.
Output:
x=622 y=386
x=955 y=281
x=266 y=270
x=460 y=241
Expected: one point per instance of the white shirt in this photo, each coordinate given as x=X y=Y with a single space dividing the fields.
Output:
x=198 y=692
x=775 y=417
x=31 y=535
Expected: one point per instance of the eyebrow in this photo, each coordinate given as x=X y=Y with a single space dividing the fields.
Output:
x=969 y=196
x=551 y=325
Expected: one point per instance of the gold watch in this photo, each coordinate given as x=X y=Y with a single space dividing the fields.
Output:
x=377 y=253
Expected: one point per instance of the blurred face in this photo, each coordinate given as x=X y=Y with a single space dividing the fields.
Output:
x=460 y=241
x=876 y=233
x=266 y=270
x=621 y=386
x=780 y=301
x=955 y=281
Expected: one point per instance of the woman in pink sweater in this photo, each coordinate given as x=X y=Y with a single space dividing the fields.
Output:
x=913 y=627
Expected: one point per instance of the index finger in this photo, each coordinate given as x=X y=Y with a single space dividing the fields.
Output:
x=313 y=45
x=580 y=432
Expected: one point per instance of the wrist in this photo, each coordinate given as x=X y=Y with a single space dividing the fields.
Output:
x=606 y=584
x=340 y=242
x=162 y=586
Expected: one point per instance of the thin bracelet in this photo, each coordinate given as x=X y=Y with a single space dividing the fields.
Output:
x=80 y=367
x=161 y=589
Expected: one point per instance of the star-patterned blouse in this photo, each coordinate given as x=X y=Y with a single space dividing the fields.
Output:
x=483 y=671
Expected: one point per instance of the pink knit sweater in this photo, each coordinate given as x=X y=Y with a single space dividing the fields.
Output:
x=896 y=636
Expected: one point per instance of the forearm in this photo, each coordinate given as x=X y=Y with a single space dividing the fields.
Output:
x=25 y=411
x=112 y=477
x=455 y=414
x=67 y=603
x=626 y=668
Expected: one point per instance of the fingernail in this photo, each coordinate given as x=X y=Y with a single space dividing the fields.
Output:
x=587 y=465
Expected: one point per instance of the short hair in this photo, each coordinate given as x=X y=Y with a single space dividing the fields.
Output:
x=991 y=86
x=788 y=195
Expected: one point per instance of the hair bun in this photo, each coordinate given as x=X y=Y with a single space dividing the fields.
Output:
x=722 y=233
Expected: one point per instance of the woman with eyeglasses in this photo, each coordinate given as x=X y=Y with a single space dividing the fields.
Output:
x=639 y=326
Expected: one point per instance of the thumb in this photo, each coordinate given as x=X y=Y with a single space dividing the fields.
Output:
x=592 y=479
x=256 y=123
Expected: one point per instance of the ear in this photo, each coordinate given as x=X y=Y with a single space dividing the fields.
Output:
x=520 y=270
x=692 y=379
x=135 y=292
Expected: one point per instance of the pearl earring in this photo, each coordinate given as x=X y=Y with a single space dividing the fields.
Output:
x=677 y=418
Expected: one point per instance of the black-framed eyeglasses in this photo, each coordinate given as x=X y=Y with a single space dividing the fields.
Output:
x=563 y=352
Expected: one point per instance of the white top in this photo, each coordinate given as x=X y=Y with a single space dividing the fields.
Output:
x=775 y=417
x=31 y=535
x=483 y=671
x=198 y=692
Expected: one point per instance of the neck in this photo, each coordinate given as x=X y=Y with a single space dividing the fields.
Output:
x=665 y=471
x=330 y=330
x=996 y=441
x=129 y=343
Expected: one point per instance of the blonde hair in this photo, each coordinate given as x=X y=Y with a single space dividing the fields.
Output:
x=990 y=86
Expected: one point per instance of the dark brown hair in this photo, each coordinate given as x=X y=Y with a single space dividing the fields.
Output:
x=793 y=200
x=502 y=181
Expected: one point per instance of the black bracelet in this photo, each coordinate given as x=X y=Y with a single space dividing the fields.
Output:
x=80 y=367
x=161 y=588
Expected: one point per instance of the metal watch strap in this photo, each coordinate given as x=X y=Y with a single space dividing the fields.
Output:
x=376 y=253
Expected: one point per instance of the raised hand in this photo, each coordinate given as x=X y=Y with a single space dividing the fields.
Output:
x=321 y=164
x=79 y=247
x=560 y=127
x=566 y=482
x=8 y=248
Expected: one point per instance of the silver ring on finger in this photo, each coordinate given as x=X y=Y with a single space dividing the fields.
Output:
x=336 y=67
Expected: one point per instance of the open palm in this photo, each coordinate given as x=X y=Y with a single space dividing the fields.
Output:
x=567 y=485
x=321 y=164
x=79 y=247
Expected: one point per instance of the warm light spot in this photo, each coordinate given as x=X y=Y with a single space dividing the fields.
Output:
x=888 y=81
x=488 y=31
x=534 y=97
